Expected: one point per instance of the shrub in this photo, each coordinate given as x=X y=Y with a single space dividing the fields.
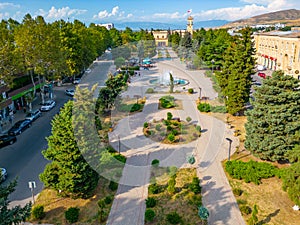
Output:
x=162 y=134
x=172 y=170
x=171 y=137
x=171 y=185
x=154 y=188
x=150 y=91
x=195 y=185
x=113 y=185
x=169 y=116
x=198 y=128
x=150 y=202
x=149 y=215
x=155 y=162
x=188 y=119
x=175 y=132
x=204 y=107
x=146 y=125
x=190 y=90
x=167 y=102
x=237 y=191
x=246 y=210
x=174 y=218
x=158 y=127
x=108 y=200
x=120 y=157
x=250 y=171
x=169 y=128
x=195 y=200
x=38 y=212
x=135 y=107
x=72 y=214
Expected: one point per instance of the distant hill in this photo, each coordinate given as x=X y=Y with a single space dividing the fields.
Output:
x=290 y=17
x=166 y=26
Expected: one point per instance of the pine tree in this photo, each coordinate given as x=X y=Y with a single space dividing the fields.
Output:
x=14 y=215
x=272 y=124
x=68 y=172
x=235 y=78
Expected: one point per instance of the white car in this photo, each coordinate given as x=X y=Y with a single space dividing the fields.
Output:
x=33 y=115
x=76 y=81
x=70 y=92
x=88 y=70
x=3 y=174
x=48 y=105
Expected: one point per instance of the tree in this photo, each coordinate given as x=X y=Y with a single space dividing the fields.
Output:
x=273 y=123
x=291 y=182
x=14 y=215
x=68 y=172
x=235 y=77
x=171 y=83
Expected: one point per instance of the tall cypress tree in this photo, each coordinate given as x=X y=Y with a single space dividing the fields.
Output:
x=235 y=76
x=272 y=125
x=68 y=171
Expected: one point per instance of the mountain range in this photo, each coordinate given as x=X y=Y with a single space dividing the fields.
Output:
x=290 y=17
x=166 y=26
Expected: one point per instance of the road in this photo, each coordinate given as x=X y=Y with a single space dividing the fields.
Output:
x=24 y=159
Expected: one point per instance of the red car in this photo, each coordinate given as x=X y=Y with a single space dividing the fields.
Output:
x=263 y=75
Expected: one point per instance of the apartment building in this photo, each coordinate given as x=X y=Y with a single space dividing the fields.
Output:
x=279 y=50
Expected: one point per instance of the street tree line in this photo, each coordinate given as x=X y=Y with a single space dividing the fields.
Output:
x=34 y=47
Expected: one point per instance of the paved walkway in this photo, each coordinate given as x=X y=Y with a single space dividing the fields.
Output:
x=129 y=204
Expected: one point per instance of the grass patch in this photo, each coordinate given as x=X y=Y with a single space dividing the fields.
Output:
x=55 y=206
x=182 y=198
x=274 y=205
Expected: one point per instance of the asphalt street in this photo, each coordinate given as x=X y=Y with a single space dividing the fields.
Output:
x=23 y=159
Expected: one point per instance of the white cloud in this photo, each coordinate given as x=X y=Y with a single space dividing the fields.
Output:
x=61 y=13
x=4 y=16
x=115 y=13
x=5 y=5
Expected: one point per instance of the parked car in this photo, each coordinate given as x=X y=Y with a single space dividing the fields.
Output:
x=7 y=140
x=33 y=115
x=70 y=92
x=88 y=70
x=262 y=75
x=19 y=127
x=3 y=174
x=261 y=67
x=48 y=105
x=76 y=81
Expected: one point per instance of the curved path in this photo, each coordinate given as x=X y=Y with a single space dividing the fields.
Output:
x=210 y=149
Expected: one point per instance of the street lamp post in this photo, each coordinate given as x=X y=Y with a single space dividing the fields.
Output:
x=119 y=146
x=199 y=93
x=229 y=148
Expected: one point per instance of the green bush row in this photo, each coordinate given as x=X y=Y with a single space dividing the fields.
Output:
x=250 y=171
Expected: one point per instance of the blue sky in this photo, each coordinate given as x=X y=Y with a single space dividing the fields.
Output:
x=167 y=11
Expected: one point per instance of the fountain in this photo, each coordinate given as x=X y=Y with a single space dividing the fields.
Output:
x=164 y=80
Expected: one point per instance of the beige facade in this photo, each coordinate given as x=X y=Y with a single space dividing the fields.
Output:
x=161 y=36
x=279 y=50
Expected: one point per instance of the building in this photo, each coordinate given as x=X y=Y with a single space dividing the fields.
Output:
x=279 y=50
x=108 y=26
x=161 y=36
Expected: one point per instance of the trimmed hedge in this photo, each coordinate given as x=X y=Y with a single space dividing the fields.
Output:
x=204 y=107
x=72 y=214
x=250 y=171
